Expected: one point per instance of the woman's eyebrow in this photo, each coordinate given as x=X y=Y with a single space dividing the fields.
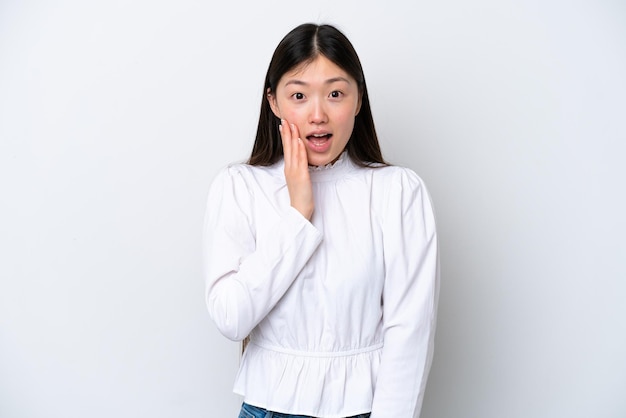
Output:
x=296 y=82
x=336 y=79
x=329 y=81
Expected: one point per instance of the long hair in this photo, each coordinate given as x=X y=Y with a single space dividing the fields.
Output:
x=302 y=45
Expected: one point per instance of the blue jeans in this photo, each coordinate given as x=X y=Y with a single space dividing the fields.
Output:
x=249 y=411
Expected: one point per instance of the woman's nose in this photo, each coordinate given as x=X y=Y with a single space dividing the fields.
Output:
x=318 y=112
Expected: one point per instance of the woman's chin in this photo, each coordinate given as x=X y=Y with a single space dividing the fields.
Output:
x=321 y=160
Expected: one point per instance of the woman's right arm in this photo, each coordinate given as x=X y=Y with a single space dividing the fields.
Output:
x=247 y=273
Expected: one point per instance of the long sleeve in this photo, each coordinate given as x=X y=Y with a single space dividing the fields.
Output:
x=410 y=299
x=249 y=266
x=340 y=309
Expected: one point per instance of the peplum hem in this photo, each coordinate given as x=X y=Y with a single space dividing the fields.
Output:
x=320 y=384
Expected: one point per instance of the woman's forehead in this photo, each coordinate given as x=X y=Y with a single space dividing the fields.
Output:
x=320 y=68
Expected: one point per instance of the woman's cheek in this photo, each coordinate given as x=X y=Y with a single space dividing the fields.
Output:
x=293 y=117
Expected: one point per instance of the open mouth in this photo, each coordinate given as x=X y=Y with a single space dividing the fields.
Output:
x=319 y=137
x=319 y=142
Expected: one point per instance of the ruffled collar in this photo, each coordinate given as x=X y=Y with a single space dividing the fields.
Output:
x=328 y=166
x=332 y=171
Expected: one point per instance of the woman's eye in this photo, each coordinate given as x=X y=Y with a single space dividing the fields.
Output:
x=298 y=96
x=335 y=94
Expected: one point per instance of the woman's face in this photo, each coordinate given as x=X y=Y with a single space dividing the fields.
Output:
x=322 y=100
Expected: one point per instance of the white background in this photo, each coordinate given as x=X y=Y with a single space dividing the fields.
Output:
x=114 y=117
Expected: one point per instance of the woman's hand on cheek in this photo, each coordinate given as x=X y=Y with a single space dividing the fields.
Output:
x=297 y=170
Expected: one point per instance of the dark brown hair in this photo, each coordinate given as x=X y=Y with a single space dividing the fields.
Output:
x=302 y=45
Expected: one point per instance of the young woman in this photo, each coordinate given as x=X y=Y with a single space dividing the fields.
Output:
x=320 y=252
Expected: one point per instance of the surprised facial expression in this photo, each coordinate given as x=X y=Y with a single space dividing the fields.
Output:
x=322 y=100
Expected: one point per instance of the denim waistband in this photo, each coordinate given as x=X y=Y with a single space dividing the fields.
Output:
x=251 y=411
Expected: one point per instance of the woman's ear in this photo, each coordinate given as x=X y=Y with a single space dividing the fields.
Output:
x=358 y=105
x=271 y=98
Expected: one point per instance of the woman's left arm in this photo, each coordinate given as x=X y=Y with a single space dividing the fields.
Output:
x=410 y=298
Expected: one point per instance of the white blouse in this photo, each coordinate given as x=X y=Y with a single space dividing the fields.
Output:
x=340 y=310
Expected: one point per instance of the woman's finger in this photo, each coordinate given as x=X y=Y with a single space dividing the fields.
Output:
x=285 y=135
x=297 y=170
x=296 y=148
